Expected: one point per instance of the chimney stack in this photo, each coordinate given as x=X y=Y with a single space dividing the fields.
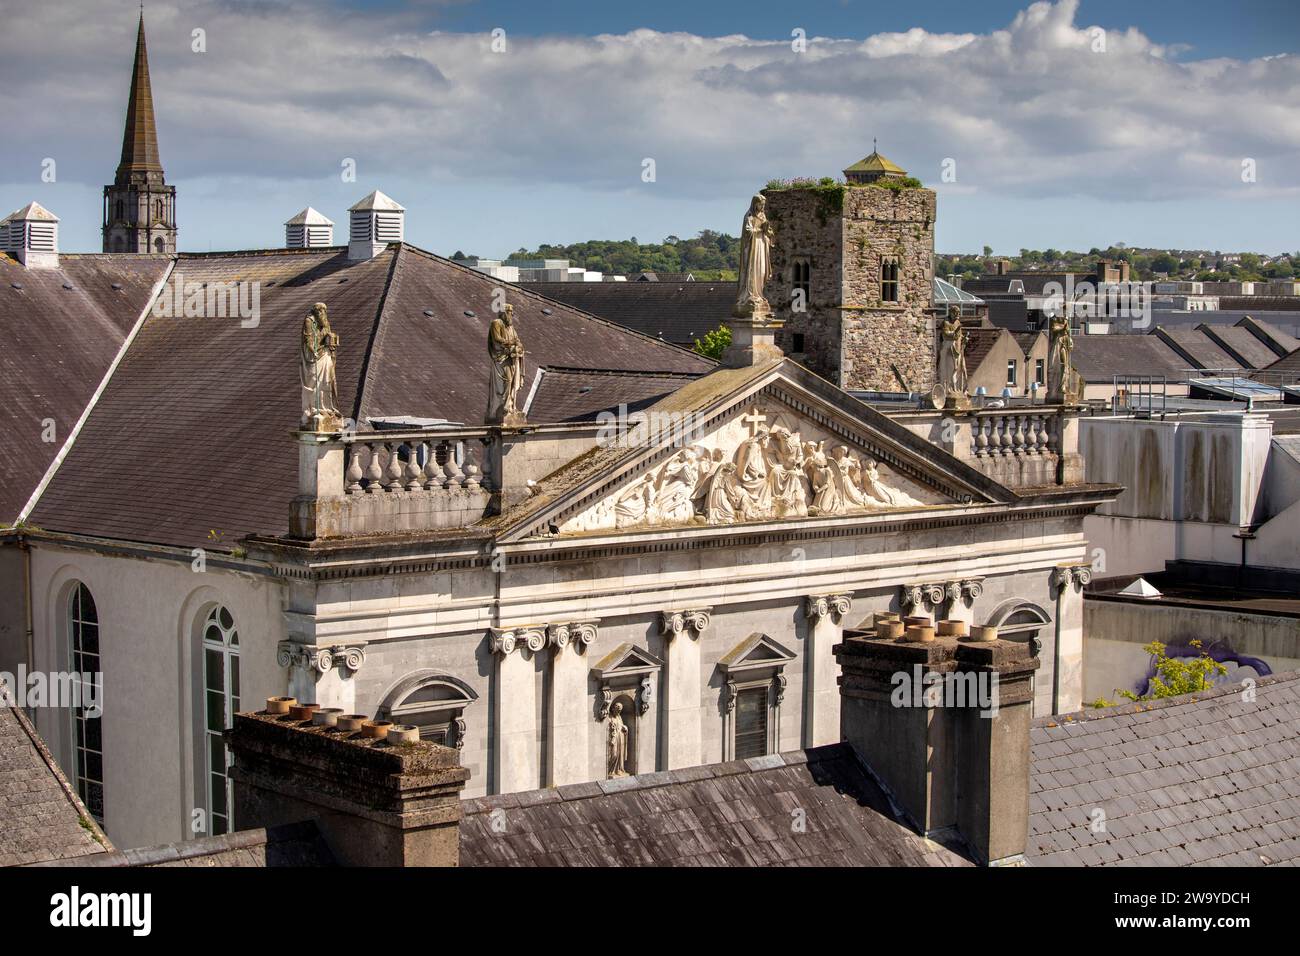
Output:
x=308 y=230
x=31 y=235
x=373 y=223
x=943 y=724
x=378 y=801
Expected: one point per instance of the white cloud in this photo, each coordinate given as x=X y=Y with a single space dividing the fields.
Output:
x=287 y=90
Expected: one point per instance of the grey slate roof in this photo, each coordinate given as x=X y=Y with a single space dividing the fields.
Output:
x=729 y=814
x=571 y=394
x=59 y=331
x=41 y=817
x=1200 y=779
x=1101 y=357
x=677 y=312
x=191 y=432
x=293 y=844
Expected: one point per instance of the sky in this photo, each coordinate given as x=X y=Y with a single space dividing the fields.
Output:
x=1068 y=124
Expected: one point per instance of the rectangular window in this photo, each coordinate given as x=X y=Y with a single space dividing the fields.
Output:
x=1011 y=371
x=889 y=281
x=751 y=723
x=796 y=342
x=1039 y=371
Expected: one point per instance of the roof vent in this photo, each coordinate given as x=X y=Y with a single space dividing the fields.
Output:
x=308 y=230
x=31 y=235
x=373 y=223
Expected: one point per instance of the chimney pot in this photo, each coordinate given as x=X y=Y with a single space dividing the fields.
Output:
x=326 y=716
x=350 y=722
x=375 y=729
x=302 y=711
x=280 y=705
x=403 y=734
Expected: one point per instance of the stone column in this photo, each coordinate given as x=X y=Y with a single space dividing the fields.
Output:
x=1068 y=581
x=821 y=723
x=516 y=747
x=683 y=745
x=320 y=674
x=568 y=716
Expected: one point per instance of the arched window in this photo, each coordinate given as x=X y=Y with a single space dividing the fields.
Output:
x=220 y=702
x=158 y=211
x=1021 y=621
x=435 y=703
x=889 y=280
x=87 y=732
x=160 y=244
x=121 y=211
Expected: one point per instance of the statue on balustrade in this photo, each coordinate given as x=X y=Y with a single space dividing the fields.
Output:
x=507 y=354
x=1064 y=384
x=952 y=378
x=316 y=372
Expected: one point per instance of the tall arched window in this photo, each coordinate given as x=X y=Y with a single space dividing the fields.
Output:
x=87 y=732
x=220 y=702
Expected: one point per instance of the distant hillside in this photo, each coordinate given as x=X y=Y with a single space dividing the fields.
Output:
x=710 y=255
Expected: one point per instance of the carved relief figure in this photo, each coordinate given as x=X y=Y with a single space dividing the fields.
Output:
x=952 y=353
x=768 y=474
x=507 y=354
x=616 y=762
x=316 y=372
x=755 y=260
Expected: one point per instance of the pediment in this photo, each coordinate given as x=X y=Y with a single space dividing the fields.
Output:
x=626 y=660
x=756 y=651
x=773 y=450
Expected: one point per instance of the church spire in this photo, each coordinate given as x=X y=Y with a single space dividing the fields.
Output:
x=140 y=138
x=139 y=207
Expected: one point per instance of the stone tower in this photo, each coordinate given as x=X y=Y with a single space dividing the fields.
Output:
x=852 y=271
x=140 y=208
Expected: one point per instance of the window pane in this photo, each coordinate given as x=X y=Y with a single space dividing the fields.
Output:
x=218 y=793
x=751 y=723
x=215 y=672
x=227 y=622
x=216 y=710
x=234 y=677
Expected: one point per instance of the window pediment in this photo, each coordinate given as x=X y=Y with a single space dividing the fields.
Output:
x=756 y=652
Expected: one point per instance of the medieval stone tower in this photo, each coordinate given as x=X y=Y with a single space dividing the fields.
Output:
x=140 y=208
x=852 y=271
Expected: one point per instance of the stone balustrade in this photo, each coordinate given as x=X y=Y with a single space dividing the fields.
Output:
x=358 y=483
x=1021 y=447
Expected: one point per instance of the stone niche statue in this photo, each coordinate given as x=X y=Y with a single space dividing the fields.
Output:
x=755 y=261
x=952 y=359
x=507 y=354
x=1063 y=385
x=320 y=392
x=617 y=748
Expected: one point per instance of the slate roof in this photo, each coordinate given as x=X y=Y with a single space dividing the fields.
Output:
x=979 y=343
x=41 y=817
x=293 y=844
x=1241 y=344
x=1201 y=779
x=565 y=394
x=1196 y=348
x=60 y=330
x=1101 y=357
x=739 y=813
x=1288 y=363
x=675 y=312
x=190 y=433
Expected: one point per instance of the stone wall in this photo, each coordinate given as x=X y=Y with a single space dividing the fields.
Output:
x=849 y=335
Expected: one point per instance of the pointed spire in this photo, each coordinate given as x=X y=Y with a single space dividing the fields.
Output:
x=140 y=139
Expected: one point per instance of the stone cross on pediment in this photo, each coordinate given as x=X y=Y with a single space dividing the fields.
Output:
x=753 y=421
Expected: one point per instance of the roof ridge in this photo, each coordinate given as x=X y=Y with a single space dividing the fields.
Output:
x=1090 y=714
x=377 y=328
x=38 y=744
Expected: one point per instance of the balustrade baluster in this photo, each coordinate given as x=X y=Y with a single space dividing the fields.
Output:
x=394 y=472
x=354 y=473
x=374 y=474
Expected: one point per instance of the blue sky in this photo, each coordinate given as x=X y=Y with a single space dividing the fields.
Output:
x=1071 y=124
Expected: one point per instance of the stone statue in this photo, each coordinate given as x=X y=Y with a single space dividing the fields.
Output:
x=617 y=750
x=755 y=261
x=1062 y=387
x=320 y=391
x=952 y=353
x=507 y=354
